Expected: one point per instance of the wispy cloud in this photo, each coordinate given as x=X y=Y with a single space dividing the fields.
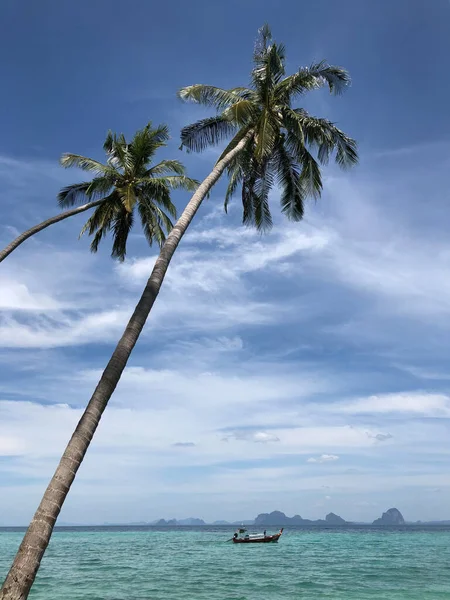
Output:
x=259 y=437
x=324 y=458
x=426 y=404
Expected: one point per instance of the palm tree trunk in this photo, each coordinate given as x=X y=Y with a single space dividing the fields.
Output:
x=37 y=228
x=26 y=563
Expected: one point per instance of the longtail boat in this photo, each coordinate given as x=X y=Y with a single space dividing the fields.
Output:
x=255 y=538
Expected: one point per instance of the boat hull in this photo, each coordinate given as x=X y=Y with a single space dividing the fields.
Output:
x=268 y=539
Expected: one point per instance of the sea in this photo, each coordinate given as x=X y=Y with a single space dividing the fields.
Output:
x=143 y=563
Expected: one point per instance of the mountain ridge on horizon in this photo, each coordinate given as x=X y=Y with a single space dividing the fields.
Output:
x=392 y=517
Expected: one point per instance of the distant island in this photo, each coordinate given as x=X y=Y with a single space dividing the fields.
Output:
x=191 y=522
x=391 y=518
x=276 y=518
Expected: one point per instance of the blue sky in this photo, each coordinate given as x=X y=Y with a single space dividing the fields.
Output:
x=304 y=371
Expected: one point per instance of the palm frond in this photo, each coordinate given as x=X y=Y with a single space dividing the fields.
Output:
x=311 y=78
x=163 y=220
x=249 y=175
x=157 y=190
x=72 y=194
x=108 y=144
x=269 y=67
x=269 y=64
x=295 y=136
x=207 y=132
x=310 y=176
x=145 y=143
x=85 y=164
x=102 y=215
x=128 y=197
x=166 y=167
x=119 y=157
x=288 y=177
x=121 y=227
x=242 y=112
x=245 y=93
x=88 y=190
x=208 y=95
x=150 y=226
x=261 y=210
x=241 y=171
x=234 y=179
x=347 y=151
x=181 y=182
x=266 y=135
x=99 y=235
x=248 y=204
x=155 y=223
x=263 y=40
x=327 y=137
x=323 y=135
x=295 y=141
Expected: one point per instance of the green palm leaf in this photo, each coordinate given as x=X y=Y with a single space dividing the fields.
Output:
x=85 y=164
x=310 y=177
x=101 y=218
x=234 y=179
x=122 y=224
x=292 y=191
x=72 y=194
x=241 y=112
x=165 y=167
x=128 y=180
x=312 y=78
x=205 y=133
x=145 y=143
x=209 y=95
x=261 y=209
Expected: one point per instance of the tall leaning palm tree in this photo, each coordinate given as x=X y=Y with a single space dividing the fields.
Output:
x=128 y=179
x=271 y=143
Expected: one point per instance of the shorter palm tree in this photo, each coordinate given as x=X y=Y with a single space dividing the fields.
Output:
x=126 y=181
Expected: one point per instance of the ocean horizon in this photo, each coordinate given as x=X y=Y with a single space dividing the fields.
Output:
x=413 y=526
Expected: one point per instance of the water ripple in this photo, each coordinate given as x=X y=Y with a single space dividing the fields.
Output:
x=187 y=565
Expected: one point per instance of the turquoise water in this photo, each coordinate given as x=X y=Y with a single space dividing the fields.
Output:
x=198 y=564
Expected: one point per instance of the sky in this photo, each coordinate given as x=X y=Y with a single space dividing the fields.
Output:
x=305 y=370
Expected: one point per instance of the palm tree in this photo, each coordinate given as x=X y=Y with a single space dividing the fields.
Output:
x=275 y=139
x=271 y=140
x=126 y=180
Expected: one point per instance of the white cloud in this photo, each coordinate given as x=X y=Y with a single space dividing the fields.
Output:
x=63 y=330
x=15 y=295
x=414 y=403
x=261 y=437
x=324 y=458
x=238 y=252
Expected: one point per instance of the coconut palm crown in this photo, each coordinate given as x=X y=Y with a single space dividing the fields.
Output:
x=281 y=139
x=128 y=180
